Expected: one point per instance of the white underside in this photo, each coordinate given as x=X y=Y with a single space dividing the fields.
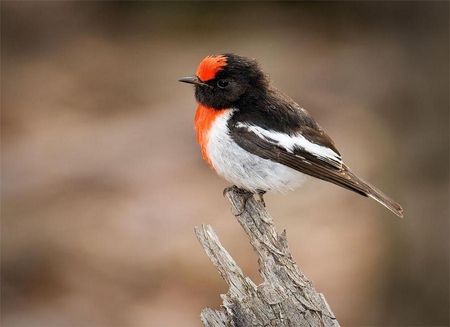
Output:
x=246 y=170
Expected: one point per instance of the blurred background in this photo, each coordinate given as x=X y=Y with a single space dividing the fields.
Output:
x=102 y=181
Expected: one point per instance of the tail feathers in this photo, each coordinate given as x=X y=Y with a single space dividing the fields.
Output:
x=378 y=196
x=374 y=193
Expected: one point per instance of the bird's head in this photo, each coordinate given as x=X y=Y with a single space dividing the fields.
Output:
x=223 y=80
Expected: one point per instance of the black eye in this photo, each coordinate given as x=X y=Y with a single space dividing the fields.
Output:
x=222 y=83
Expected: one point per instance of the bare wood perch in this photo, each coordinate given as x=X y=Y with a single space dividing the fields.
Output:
x=285 y=298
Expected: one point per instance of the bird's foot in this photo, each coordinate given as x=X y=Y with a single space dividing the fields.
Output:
x=244 y=193
x=261 y=197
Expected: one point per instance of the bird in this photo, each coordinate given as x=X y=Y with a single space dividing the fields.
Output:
x=259 y=139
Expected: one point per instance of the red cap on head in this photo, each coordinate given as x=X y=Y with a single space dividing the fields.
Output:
x=208 y=67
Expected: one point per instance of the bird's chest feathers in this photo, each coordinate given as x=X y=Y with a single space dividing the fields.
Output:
x=204 y=119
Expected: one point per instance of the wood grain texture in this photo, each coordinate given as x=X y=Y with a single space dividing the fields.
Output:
x=285 y=298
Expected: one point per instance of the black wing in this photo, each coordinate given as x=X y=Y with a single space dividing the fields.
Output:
x=311 y=152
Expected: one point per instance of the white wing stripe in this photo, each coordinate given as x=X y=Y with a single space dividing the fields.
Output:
x=290 y=142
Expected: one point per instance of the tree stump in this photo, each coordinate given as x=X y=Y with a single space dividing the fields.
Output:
x=285 y=298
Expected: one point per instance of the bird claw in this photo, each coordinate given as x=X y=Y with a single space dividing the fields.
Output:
x=246 y=194
x=261 y=197
x=228 y=189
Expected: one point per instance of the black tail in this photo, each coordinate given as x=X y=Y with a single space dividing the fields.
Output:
x=370 y=191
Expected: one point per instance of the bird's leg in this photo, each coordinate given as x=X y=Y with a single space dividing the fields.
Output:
x=229 y=188
x=261 y=198
x=245 y=194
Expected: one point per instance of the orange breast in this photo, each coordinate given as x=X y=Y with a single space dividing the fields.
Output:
x=204 y=118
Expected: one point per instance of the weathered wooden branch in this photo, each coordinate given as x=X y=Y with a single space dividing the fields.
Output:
x=285 y=298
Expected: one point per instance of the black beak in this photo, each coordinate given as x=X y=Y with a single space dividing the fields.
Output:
x=192 y=80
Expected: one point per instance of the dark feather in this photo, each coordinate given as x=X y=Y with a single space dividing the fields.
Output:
x=309 y=164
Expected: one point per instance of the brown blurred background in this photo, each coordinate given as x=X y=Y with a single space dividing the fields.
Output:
x=103 y=182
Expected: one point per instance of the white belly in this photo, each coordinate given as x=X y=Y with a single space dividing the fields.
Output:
x=246 y=170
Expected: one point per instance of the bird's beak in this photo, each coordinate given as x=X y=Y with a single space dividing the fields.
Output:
x=192 y=80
